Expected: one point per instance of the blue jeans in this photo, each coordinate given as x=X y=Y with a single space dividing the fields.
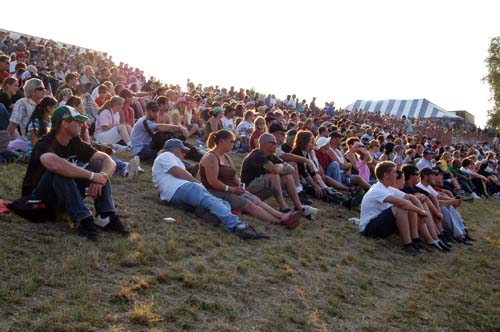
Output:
x=58 y=191
x=452 y=221
x=333 y=171
x=194 y=194
x=147 y=153
x=4 y=117
x=120 y=166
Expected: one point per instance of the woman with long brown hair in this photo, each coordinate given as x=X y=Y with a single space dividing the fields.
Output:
x=218 y=175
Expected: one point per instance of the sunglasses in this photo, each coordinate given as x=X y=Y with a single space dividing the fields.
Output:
x=39 y=89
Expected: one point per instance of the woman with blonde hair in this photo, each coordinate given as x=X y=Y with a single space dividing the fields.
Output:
x=259 y=127
x=108 y=129
x=218 y=175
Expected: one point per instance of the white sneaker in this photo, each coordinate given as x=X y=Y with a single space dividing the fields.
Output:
x=133 y=166
x=101 y=222
x=309 y=210
x=475 y=196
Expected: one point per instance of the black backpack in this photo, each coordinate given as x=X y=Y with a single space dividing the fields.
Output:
x=30 y=209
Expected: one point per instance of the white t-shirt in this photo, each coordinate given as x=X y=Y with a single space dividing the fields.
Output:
x=429 y=189
x=227 y=123
x=339 y=154
x=373 y=203
x=164 y=182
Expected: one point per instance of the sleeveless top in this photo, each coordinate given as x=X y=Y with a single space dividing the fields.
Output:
x=226 y=174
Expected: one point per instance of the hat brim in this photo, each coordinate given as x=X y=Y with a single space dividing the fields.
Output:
x=80 y=117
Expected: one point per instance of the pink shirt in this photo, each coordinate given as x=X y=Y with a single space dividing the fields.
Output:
x=106 y=118
x=363 y=169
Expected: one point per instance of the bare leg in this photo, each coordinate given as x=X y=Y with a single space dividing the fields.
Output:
x=296 y=178
x=413 y=219
x=337 y=185
x=290 y=188
x=260 y=213
x=263 y=205
x=402 y=223
x=275 y=182
x=356 y=179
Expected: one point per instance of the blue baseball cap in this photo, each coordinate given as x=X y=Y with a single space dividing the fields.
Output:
x=175 y=143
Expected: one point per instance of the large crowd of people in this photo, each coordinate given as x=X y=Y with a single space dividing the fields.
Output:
x=66 y=110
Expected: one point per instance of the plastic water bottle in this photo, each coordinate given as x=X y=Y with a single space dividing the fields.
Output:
x=348 y=180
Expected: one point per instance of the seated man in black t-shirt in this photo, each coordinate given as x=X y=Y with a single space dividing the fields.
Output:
x=264 y=174
x=55 y=175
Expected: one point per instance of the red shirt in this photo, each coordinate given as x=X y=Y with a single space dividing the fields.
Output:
x=323 y=159
x=3 y=75
x=128 y=115
x=255 y=136
x=99 y=101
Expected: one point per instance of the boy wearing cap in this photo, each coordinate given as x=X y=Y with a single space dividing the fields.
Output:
x=426 y=160
x=445 y=203
x=179 y=188
x=54 y=177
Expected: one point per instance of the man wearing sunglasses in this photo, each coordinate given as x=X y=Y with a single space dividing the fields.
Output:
x=56 y=177
x=34 y=90
x=266 y=175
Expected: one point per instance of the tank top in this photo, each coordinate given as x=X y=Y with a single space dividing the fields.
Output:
x=226 y=174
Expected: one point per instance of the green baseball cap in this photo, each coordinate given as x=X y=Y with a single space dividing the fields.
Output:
x=66 y=113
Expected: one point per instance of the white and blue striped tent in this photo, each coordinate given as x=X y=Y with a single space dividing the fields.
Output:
x=412 y=108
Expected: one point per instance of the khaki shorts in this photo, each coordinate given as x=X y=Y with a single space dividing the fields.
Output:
x=260 y=187
x=237 y=202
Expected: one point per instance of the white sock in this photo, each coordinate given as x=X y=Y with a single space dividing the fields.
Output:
x=299 y=189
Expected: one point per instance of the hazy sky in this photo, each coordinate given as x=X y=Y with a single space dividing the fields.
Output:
x=340 y=51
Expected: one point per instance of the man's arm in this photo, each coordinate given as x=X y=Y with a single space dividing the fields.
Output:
x=11 y=128
x=182 y=174
x=405 y=205
x=108 y=165
x=278 y=168
x=290 y=157
x=55 y=164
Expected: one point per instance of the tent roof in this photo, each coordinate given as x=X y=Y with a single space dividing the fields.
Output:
x=417 y=108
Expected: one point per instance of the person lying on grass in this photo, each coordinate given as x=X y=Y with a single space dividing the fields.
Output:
x=179 y=188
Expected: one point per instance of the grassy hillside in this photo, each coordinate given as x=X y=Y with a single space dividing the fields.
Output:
x=190 y=276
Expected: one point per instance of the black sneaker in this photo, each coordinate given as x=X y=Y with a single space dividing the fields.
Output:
x=116 y=226
x=465 y=241
x=445 y=240
x=444 y=244
x=441 y=247
x=304 y=199
x=87 y=229
x=419 y=245
x=468 y=238
x=410 y=250
x=248 y=233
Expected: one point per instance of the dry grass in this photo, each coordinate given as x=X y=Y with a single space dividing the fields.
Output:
x=191 y=276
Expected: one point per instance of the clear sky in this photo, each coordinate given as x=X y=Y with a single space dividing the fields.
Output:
x=336 y=51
